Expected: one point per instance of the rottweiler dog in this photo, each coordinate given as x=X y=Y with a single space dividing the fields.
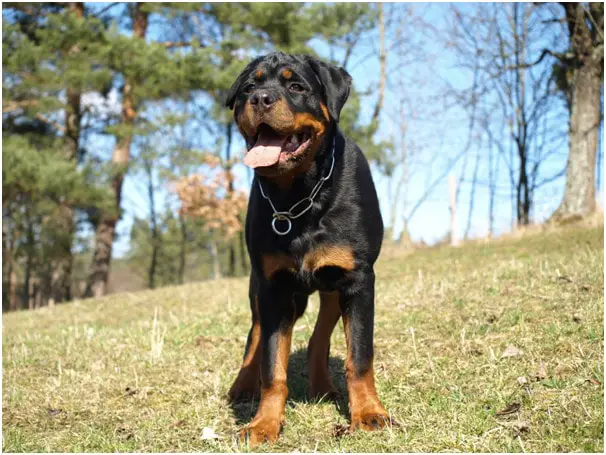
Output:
x=313 y=224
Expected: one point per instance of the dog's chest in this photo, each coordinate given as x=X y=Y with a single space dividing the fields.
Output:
x=312 y=265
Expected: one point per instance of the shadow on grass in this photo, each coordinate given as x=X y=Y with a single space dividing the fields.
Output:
x=298 y=383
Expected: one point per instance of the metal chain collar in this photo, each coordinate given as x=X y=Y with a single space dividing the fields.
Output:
x=289 y=215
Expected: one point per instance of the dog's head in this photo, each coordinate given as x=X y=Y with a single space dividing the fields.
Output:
x=284 y=105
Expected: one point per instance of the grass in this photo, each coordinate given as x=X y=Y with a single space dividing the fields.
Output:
x=149 y=371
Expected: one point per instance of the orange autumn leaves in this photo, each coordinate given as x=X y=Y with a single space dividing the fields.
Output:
x=207 y=195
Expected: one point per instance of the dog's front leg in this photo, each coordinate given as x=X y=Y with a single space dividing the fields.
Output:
x=247 y=383
x=277 y=317
x=357 y=307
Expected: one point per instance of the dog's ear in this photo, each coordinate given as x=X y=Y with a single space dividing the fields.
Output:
x=336 y=84
x=233 y=91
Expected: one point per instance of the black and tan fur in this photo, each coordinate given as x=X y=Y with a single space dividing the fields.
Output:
x=331 y=249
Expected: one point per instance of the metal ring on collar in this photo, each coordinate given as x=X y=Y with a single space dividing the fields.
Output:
x=281 y=218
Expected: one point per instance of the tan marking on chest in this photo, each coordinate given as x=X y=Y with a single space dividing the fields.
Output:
x=273 y=263
x=329 y=255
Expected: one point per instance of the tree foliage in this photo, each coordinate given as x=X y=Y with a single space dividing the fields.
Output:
x=95 y=93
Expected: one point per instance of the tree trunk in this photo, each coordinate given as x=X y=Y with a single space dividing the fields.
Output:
x=60 y=283
x=521 y=134
x=214 y=254
x=579 y=192
x=9 y=295
x=62 y=265
x=452 y=191
x=243 y=253
x=12 y=290
x=106 y=227
x=155 y=234
x=522 y=193
x=151 y=283
x=230 y=190
x=403 y=180
x=182 y=250
x=31 y=303
x=98 y=277
x=492 y=173
x=232 y=257
x=29 y=258
x=6 y=264
x=598 y=183
x=404 y=239
x=472 y=196
x=8 y=289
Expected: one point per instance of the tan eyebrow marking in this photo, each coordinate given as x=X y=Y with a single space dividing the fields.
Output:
x=325 y=111
x=259 y=74
x=287 y=74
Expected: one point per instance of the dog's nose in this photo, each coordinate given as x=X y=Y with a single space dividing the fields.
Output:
x=262 y=99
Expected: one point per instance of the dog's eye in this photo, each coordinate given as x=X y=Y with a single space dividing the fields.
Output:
x=298 y=88
x=249 y=88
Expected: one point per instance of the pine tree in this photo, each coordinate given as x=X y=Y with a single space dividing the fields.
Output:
x=148 y=72
x=49 y=53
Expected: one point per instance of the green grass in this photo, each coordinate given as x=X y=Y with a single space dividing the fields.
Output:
x=106 y=375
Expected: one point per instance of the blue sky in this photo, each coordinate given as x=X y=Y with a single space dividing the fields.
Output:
x=435 y=135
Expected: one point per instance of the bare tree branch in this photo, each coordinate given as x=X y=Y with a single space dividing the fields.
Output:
x=50 y=122
x=556 y=176
x=382 y=63
x=107 y=8
x=15 y=105
x=563 y=57
x=432 y=186
x=174 y=44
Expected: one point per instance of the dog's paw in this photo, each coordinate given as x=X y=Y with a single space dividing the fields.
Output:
x=371 y=421
x=260 y=431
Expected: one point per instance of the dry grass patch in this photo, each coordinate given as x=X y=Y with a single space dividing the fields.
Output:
x=488 y=347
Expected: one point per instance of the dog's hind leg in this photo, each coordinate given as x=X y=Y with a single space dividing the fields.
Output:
x=366 y=409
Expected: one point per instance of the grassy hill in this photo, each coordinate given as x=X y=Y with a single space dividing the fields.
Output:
x=488 y=347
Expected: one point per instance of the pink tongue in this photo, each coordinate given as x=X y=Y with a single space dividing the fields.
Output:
x=266 y=151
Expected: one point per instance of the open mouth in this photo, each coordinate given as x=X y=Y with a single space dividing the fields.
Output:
x=271 y=147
